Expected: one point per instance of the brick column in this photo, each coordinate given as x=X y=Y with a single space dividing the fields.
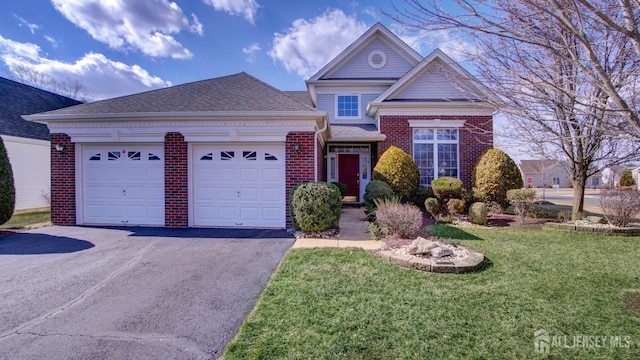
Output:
x=176 y=191
x=63 y=181
x=299 y=165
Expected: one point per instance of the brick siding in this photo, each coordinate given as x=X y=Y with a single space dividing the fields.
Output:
x=176 y=190
x=63 y=181
x=474 y=138
x=299 y=165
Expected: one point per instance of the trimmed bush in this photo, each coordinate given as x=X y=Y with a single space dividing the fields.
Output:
x=494 y=175
x=620 y=206
x=420 y=196
x=7 y=186
x=478 y=213
x=402 y=220
x=433 y=207
x=342 y=187
x=376 y=189
x=316 y=206
x=396 y=168
x=293 y=218
x=455 y=206
x=522 y=201
x=445 y=188
x=626 y=179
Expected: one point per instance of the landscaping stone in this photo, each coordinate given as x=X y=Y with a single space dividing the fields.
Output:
x=434 y=256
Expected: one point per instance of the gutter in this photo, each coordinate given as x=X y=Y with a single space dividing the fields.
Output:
x=315 y=147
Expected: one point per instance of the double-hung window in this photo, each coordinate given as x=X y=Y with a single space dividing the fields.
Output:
x=347 y=106
x=435 y=151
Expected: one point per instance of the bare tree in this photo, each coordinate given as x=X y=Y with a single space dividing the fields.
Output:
x=603 y=31
x=555 y=91
x=72 y=88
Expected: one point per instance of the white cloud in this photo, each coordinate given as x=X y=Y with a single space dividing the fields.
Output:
x=144 y=25
x=22 y=22
x=371 y=11
x=102 y=77
x=310 y=44
x=51 y=40
x=246 y=8
x=251 y=51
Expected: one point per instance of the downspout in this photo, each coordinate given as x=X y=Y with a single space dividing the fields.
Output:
x=315 y=147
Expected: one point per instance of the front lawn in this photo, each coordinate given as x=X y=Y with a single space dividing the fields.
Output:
x=28 y=220
x=337 y=303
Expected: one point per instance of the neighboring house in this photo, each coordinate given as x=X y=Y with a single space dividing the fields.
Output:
x=27 y=143
x=227 y=151
x=543 y=173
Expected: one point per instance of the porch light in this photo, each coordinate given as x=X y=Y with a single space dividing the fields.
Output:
x=296 y=146
x=59 y=148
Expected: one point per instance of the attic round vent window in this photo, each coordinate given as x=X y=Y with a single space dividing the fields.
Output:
x=377 y=59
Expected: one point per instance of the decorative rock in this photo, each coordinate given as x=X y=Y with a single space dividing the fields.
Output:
x=440 y=252
x=435 y=256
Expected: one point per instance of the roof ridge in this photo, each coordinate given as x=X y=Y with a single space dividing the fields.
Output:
x=281 y=91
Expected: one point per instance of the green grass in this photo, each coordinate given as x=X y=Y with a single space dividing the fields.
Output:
x=341 y=303
x=26 y=220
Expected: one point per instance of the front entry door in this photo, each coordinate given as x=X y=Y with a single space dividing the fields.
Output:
x=348 y=166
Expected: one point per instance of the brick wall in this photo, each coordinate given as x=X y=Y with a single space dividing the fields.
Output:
x=474 y=138
x=176 y=191
x=299 y=165
x=322 y=175
x=63 y=181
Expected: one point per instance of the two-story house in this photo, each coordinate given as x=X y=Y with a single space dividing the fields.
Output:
x=227 y=151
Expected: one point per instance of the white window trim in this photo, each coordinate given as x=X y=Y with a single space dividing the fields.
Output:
x=435 y=142
x=337 y=117
x=437 y=123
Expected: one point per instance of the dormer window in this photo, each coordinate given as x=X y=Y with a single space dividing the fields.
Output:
x=347 y=106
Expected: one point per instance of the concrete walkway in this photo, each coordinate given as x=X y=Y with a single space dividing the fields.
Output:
x=354 y=232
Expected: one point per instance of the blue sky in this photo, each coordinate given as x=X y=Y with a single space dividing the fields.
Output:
x=119 y=47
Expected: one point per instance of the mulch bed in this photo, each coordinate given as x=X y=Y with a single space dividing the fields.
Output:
x=494 y=220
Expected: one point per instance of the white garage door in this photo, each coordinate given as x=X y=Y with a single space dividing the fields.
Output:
x=239 y=185
x=123 y=184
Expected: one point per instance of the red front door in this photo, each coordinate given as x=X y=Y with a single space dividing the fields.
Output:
x=348 y=166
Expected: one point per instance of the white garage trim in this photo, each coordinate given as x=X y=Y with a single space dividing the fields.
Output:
x=237 y=185
x=120 y=184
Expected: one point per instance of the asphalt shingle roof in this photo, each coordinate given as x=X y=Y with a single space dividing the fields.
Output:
x=362 y=131
x=18 y=99
x=234 y=93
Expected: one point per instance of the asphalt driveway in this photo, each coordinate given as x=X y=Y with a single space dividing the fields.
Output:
x=96 y=293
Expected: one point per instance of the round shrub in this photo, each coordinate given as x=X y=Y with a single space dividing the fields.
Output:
x=494 y=175
x=376 y=189
x=445 y=188
x=399 y=171
x=420 y=196
x=342 y=187
x=626 y=179
x=316 y=206
x=433 y=207
x=478 y=213
x=455 y=206
x=7 y=186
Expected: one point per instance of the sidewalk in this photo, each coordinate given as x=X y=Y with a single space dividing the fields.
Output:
x=354 y=232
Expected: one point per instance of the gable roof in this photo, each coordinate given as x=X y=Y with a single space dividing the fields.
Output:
x=234 y=94
x=536 y=166
x=18 y=99
x=376 y=30
x=460 y=77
